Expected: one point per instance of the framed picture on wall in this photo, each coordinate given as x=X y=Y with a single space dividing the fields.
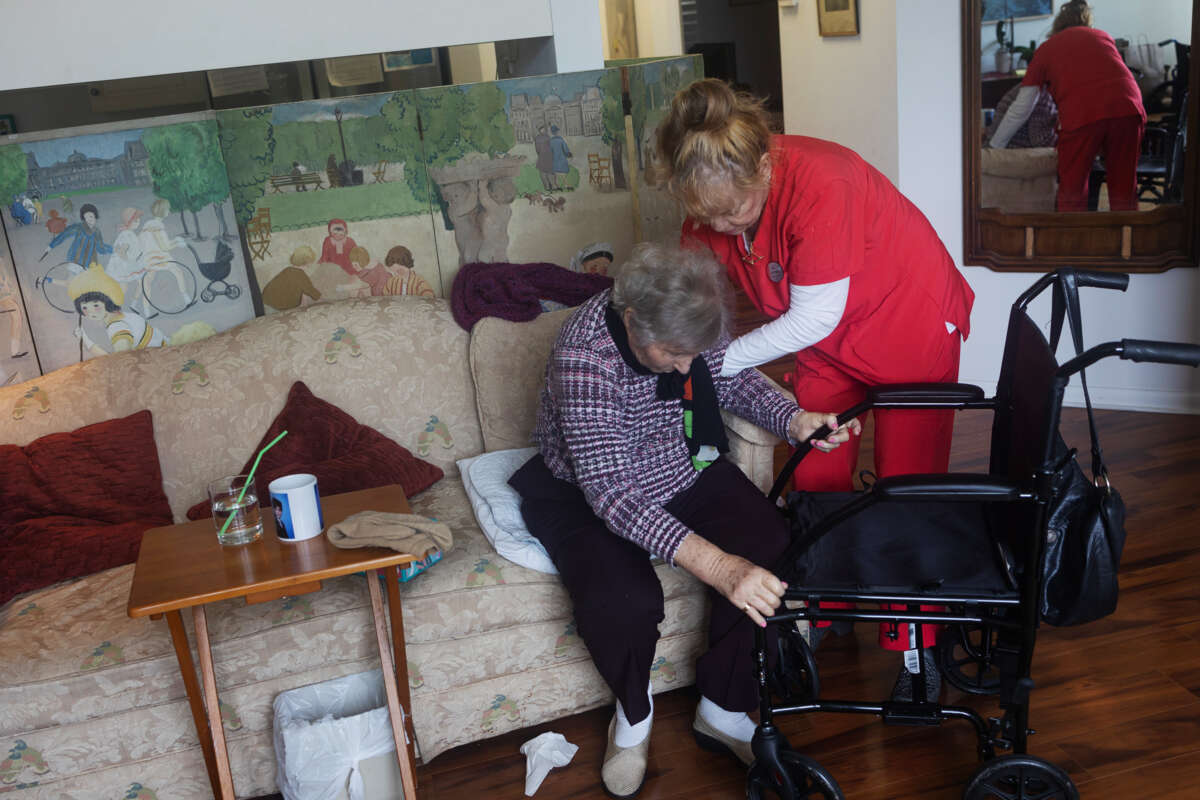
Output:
x=837 y=17
x=7 y=124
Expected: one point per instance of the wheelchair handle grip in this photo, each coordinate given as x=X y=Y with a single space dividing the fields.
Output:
x=1160 y=352
x=1102 y=280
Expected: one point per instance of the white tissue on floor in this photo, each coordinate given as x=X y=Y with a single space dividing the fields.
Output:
x=543 y=753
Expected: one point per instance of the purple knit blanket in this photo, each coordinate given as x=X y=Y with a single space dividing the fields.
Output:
x=514 y=291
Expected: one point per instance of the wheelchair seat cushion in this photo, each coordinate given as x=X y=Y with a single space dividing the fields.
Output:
x=931 y=548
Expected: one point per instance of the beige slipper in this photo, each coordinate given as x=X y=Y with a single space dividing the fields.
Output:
x=624 y=767
x=715 y=741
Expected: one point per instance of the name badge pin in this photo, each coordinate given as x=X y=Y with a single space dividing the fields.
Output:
x=775 y=271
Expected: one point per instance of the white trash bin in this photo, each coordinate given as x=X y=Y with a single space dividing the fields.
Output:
x=333 y=741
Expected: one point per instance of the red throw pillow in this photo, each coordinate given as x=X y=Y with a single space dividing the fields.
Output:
x=76 y=503
x=327 y=442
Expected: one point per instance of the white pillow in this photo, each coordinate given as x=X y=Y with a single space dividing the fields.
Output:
x=497 y=506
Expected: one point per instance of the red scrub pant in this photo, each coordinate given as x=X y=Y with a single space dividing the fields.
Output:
x=1120 y=140
x=906 y=441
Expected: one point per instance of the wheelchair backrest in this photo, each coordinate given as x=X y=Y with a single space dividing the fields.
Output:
x=1028 y=402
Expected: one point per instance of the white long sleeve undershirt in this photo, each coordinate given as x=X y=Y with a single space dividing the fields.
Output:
x=1019 y=111
x=813 y=313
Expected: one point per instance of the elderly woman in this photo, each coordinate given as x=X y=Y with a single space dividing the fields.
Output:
x=630 y=438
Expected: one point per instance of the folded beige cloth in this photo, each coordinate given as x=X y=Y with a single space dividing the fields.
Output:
x=405 y=533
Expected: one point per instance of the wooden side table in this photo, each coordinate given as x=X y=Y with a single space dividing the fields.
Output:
x=183 y=566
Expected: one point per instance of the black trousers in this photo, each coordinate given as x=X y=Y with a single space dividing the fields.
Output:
x=617 y=597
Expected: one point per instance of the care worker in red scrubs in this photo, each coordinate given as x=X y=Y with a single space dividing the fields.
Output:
x=855 y=279
x=1099 y=109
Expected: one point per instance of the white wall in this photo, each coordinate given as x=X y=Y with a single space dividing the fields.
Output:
x=921 y=110
x=55 y=42
x=843 y=88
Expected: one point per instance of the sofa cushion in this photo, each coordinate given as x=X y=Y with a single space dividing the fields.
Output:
x=508 y=363
x=329 y=443
x=76 y=503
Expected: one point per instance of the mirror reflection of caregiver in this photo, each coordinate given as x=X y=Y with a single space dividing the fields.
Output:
x=1099 y=109
x=629 y=434
x=855 y=278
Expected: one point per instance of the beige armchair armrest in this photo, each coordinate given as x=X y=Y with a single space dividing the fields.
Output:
x=752 y=448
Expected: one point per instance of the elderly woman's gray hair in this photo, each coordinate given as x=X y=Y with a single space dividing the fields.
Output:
x=679 y=297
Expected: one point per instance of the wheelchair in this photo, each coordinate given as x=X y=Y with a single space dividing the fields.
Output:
x=963 y=543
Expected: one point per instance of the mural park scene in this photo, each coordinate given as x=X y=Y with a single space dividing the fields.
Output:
x=162 y=234
x=123 y=240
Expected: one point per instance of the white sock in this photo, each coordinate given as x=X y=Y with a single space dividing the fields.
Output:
x=627 y=735
x=736 y=724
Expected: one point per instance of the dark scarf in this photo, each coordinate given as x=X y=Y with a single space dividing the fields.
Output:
x=702 y=425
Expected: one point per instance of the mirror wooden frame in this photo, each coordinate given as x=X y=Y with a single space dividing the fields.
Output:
x=1130 y=241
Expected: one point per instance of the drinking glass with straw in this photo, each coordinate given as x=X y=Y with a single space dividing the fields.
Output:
x=235 y=504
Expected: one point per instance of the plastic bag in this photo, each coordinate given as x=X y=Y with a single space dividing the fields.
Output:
x=323 y=731
x=1144 y=58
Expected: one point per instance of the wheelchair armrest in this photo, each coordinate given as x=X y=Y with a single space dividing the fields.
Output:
x=923 y=394
x=949 y=488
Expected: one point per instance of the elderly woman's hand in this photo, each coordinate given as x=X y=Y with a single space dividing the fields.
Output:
x=754 y=590
x=805 y=423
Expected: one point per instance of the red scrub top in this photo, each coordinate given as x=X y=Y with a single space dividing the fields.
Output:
x=1086 y=76
x=830 y=215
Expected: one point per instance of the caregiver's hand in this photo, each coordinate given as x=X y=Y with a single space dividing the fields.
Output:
x=804 y=423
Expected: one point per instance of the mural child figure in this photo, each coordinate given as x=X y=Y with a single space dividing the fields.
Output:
x=593 y=259
x=20 y=214
x=125 y=265
x=292 y=287
x=97 y=297
x=545 y=158
x=11 y=309
x=337 y=246
x=403 y=277
x=560 y=153
x=87 y=243
x=157 y=245
x=375 y=277
x=56 y=224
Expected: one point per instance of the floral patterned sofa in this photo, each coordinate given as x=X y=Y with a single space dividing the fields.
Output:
x=91 y=702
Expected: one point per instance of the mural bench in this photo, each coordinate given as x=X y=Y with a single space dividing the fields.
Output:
x=301 y=182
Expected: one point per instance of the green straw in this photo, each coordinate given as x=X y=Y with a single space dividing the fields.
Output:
x=250 y=479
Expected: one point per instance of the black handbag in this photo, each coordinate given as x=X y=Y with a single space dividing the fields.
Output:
x=1086 y=526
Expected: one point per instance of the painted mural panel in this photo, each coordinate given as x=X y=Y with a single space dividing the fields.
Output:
x=651 y=87
x=123 y=239
x=18 y=360
x=331 y=197
x=527 y=170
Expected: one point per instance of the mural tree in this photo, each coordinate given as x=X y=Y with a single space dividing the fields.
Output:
x=187 y=170
x=452 y=123
x=14 y=177
x=248 y=144
x=613 y=115
x=403 y=141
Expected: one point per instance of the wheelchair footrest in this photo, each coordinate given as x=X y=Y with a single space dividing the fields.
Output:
x=912 y=714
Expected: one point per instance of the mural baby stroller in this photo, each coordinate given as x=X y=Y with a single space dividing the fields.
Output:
x=973 y=545
x=217 y=271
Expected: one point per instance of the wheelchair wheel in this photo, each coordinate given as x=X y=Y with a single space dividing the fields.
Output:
x=1020 y=777
x=809 y=779
x=795 y=675
x=964 y=657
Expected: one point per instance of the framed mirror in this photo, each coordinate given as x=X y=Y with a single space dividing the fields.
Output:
x=1009 y=217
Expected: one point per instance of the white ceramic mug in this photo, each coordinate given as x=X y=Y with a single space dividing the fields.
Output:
x=297 y=507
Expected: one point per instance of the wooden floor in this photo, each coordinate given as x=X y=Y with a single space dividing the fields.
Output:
x=1117 y=702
